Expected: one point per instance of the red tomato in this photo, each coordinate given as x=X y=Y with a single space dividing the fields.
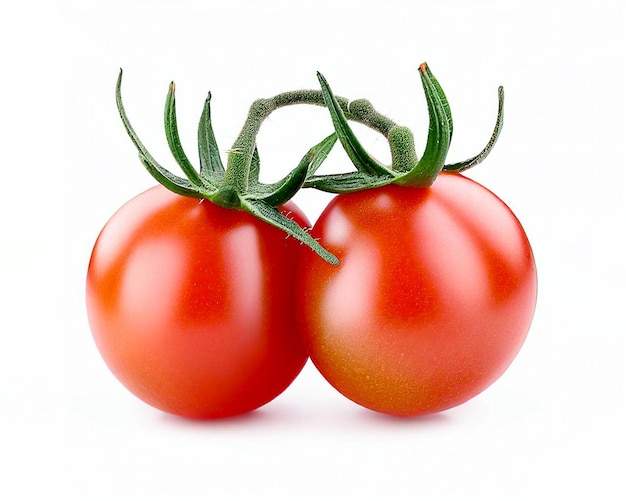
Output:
x=191 y=305
x=432 y=300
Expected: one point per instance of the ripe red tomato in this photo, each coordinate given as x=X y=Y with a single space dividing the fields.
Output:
x=191 y=305
x=432 y=300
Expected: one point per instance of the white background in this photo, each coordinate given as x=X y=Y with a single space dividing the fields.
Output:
x=550 y=428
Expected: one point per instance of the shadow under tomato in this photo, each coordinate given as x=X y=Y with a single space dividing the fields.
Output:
x=438 y=419
x=272 y=415
x=255 y=416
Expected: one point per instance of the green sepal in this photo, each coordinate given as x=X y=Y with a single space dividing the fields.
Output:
x=161 y=174
x=211 y=166
x=172 y=182
x=273 y=216
x=439 y=135
x=361 y=159
x=348 y=182
x=280 y=192
x=442 y=97
x=173 y=139
x=315 y=157
x=471 y=162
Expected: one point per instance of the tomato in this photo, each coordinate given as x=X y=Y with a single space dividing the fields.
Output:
x=431 y=302
x=192 y=305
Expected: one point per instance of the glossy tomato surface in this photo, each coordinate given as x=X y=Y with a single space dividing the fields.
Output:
x=431 y=301
x=191 y=305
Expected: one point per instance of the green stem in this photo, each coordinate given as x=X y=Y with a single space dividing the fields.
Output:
x=240 y=155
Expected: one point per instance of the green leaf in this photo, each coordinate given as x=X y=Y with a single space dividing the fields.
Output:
x=272 y=215
x=358 y=155
x=173 y=139
x=211 y=166
x=161 y=174
x=471 y=162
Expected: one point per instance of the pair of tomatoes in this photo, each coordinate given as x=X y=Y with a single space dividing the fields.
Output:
x=208 y=312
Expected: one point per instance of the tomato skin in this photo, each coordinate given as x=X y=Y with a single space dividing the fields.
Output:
x=431 y=302
x=191 y=305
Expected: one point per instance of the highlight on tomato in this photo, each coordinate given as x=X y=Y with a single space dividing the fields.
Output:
x=437 y=284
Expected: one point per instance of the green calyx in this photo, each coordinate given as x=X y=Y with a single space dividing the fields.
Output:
x=405 y=169
x=237 y=186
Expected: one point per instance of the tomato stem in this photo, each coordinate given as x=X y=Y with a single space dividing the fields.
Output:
x=240 y=155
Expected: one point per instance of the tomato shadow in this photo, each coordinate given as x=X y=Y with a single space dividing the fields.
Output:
x=253 y=417
x=438 y=419
x=282 y=416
